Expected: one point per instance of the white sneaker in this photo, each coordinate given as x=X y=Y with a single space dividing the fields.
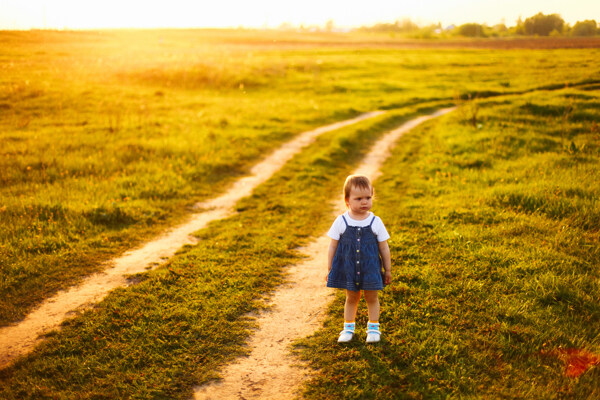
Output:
x=345 y=336
x=373 y=333
x=373 y=336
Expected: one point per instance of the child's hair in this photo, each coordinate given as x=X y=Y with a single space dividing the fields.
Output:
x=357 y=181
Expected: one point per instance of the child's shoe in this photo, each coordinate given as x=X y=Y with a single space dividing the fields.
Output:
x=373 y=333
x=347 y=334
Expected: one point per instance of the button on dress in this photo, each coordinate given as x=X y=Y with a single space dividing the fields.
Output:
x=356 y=264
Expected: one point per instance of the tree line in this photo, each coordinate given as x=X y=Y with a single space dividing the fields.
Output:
x=537 y=25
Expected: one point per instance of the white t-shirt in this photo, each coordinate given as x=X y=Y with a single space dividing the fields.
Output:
x=339 y=226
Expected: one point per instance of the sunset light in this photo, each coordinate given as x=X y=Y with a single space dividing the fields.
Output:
x=70 y=14
x=310 y=199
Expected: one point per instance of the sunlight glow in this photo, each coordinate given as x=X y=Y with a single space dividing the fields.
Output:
x=74 y=14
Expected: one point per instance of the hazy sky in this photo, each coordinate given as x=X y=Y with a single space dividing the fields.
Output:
x=78 y=14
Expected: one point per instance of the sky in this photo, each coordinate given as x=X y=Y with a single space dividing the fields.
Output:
x=93 y=14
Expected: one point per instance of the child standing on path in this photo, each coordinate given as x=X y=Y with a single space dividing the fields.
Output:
x=357 y=251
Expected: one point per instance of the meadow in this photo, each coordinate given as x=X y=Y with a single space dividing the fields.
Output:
x=110 y=137
x=496 y=251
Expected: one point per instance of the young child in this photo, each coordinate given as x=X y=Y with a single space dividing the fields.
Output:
x=357 y=251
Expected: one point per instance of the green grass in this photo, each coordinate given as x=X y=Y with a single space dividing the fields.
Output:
x=495 y=254
x=108 y=137
x=174 y=329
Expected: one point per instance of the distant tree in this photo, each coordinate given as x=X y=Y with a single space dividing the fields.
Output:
x=471 y=30
x=404 y=26
x=542 y=25
x=555 y=33
x=329 y=25
x=589 y=27
x=285 y=26
x=496 y=30
x=500 y=28
x=379 y=27
x=519 y=28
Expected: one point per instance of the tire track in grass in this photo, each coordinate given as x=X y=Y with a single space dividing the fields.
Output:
x=20 y=338
x=297 y=309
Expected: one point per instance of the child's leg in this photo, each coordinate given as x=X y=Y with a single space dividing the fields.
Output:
x=350 y=308
x=372 y=304
x=351 y=305
x=373 y=334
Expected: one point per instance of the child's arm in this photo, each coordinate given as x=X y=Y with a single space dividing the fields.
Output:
x=384 y=251
x=332 y=248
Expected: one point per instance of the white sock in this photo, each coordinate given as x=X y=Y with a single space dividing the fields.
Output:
x=373 y=326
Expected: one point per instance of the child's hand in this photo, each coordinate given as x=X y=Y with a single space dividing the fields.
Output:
x=388 y=277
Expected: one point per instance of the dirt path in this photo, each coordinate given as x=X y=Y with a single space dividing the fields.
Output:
x=298 y=307
x=18 y=339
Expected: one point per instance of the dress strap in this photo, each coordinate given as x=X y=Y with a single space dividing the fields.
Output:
x=372 y=220
x=346 y=222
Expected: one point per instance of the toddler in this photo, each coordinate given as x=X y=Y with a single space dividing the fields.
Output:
x=357 y=251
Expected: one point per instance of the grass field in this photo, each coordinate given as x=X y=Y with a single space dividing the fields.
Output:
x=496 y=253
x=108 y=138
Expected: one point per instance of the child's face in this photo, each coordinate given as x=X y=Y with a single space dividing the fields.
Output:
x=360 y=201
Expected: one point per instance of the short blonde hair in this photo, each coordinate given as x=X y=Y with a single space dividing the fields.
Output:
x=357 y=181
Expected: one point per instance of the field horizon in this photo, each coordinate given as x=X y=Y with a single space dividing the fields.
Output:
x=278 y=38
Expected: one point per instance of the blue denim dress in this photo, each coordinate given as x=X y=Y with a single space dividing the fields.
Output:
x=356 y=264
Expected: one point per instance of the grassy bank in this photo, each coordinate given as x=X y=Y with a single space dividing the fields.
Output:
x=495 y=245
x=108 y=137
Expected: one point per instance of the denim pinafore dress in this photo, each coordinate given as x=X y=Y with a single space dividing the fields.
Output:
x=356 y=264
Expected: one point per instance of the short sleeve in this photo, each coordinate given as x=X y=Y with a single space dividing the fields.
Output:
x=379 y=230
x=337 y=228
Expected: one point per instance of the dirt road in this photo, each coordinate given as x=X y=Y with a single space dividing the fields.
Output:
x=297 y=309
x=20 y=338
